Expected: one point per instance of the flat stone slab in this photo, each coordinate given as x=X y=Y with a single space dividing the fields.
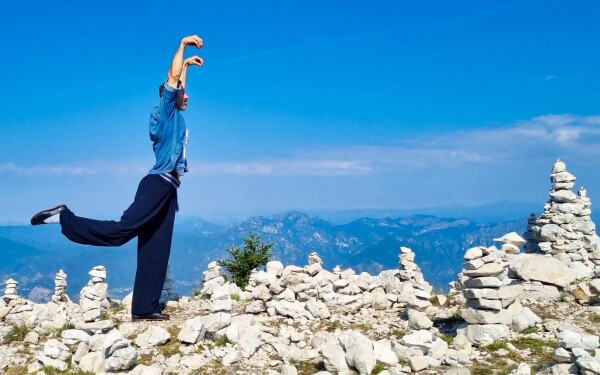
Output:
x=542 y=268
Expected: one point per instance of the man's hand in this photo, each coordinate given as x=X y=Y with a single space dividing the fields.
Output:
x=194 y=60
x=192 y=40
x=178 y=68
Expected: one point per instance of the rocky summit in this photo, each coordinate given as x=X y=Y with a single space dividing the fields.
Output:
x=530 y=304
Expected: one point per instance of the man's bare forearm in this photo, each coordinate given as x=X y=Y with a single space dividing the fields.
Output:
x=194 y=60
x=177 y=68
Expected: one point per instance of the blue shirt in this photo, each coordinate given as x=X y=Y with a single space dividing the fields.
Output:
x=168 y=133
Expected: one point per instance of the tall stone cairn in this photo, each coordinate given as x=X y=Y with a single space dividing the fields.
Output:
x=565 y=230
x=60 y=288
x=92 y=298
x=410 y=273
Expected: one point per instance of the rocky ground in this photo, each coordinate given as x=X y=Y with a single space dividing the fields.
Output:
x=364 y=335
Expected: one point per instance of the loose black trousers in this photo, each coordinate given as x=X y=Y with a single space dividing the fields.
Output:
x=150 y=218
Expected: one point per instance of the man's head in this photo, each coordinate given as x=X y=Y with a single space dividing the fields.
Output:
x=182 y=98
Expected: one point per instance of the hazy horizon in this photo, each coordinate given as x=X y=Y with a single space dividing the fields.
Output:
x=308 y=105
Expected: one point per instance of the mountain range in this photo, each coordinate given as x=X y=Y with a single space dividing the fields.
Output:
x=32 y=255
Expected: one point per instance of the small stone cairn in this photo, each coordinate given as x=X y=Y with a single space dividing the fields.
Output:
x=94 y=345
x=415 y=291
x=11 y=305
x=491 y=295
x=10 y=292
x=92 y=298
x=169 y=292
x=212 y=279
x=565 y=230
x=60 y=288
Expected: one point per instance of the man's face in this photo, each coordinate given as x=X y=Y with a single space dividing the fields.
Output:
x=182 y=99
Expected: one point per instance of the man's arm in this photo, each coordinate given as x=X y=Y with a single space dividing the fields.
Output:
x=177 y=64
x=194 y=60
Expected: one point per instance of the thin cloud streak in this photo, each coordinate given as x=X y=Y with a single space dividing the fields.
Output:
x=541 y=137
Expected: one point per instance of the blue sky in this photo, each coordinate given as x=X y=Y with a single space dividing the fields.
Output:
x=301 y=104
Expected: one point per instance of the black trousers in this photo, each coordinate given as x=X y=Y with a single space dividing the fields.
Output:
x=150 y=218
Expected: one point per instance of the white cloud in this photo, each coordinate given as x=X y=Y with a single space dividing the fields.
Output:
x=543 y=137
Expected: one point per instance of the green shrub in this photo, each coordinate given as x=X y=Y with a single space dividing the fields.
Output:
x=254 y=254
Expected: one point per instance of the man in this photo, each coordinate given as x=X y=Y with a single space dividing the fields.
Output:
x=151 y=216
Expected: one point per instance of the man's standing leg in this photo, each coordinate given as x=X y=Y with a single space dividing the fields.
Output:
x=154 y=248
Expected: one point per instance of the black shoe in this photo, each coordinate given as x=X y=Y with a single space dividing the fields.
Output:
x=153 y=316
x=39 y=218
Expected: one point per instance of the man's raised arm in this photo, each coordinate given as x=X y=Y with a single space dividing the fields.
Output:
x=194 y=60
x=177 y=64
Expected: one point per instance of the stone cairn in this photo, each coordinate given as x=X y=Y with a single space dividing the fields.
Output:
x=60 y=288
x=169 y=293
x=93 y=345
x=10 y=292
x=92 y=298
x=565 y=230
x=212 y=279
x=491 y=295
x=299 y=295
x=415 y=288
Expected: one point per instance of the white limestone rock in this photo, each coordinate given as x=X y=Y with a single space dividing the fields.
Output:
x=92 y=362
x=216 y=322
x=418 y=363
x=237 y=326
x=122 y=359
x=485 y=334
x=525 y=319
x=418 y=320
x=56 y=350
x=511 y=238
x=334 y=358
x=542 y=268
x=250 y=340
x=359 y=351
x=192 y=331
x=153 y=336
x=293 y=310
x=473 y=253
x=384 y=353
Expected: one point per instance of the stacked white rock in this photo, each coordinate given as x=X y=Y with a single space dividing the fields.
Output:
x=565 y=230
x=169 y=293
x=491 y=296
x=10 y=292
x=414 y=291
x=314 y=258
x=212 y=279
x=12 y=305
x=60 y=288
x=92 y=298
x=575 y=354
x=220 y=315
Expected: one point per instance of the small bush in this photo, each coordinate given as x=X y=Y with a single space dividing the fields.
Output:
x=254 y=254
x=235 y=296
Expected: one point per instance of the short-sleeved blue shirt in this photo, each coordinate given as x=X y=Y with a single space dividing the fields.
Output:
x=168 y=133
